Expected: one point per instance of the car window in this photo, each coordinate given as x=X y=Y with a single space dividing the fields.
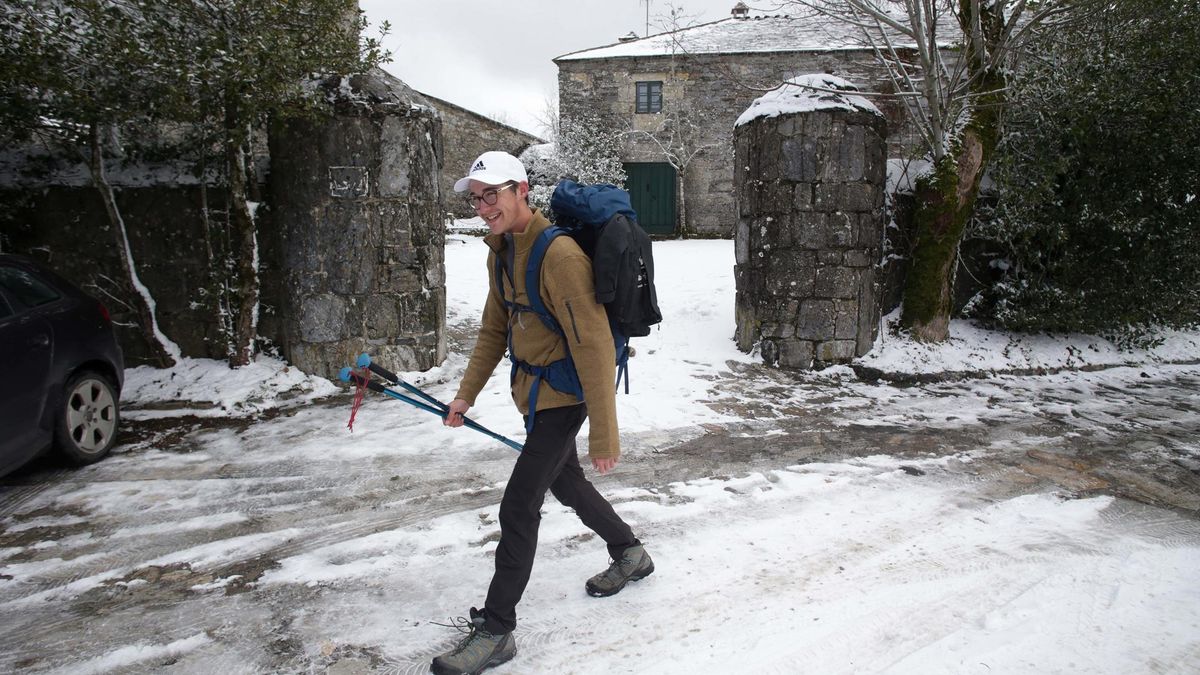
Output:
x=25 y=288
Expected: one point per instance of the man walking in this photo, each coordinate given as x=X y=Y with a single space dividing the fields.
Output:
x=497 y=187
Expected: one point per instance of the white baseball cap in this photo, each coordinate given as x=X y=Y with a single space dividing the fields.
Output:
x=493 y=168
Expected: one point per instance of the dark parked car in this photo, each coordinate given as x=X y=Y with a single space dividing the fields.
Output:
x=61 y=369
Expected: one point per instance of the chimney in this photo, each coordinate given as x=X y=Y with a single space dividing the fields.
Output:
x=740 y=10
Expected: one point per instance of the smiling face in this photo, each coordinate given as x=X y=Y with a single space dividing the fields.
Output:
x=510 y=213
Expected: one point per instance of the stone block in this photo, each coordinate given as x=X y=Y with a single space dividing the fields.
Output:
x=835 y=351
x=381 y=318
x=789 y=273
x=776 y=234
x=307 y=283
x=875 y=171
x=796 y=354
x=747 y=282
x=827 y=196
x=857 y=257
x=746 y=333
x=816 y=320
x=852 y=153
x=751 y=198
x=413 y=314
x=868 y=229
x=869 y=312
x=804 y=197
x=777 y=330
x=769 y=350
x=353 y=274
x=801 y=159
x=323 y=318
x=841 y=229
x=836 y=282
x=741 y=158
x=776 y=197
x=427 y=226
x=399 y=279
x=741 y=241
x=396 y=255
x=860 y=197
x=810 y=230
x=435 y=267
x=395 y=224
x=393 y=178
x=846 y=324
x=829 y=257
x=402 y=353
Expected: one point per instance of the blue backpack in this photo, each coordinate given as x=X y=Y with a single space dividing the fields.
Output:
x=602 y=221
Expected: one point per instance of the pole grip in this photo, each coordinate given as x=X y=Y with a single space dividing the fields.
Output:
x=364 y=361
x=348 y=374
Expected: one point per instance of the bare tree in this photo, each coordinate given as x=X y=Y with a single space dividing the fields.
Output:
x=949 y=60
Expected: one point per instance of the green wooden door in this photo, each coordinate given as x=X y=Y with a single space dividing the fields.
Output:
x=651 y=187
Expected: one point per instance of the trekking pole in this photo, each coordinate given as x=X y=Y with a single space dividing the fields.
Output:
x=347 y=374
x=364 y=361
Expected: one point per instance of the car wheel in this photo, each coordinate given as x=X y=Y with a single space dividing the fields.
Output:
x=87 y=419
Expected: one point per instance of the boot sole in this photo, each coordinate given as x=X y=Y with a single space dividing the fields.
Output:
x=597 y=593
x=439 y=669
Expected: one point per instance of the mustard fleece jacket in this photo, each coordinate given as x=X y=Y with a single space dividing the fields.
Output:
x=568 y=291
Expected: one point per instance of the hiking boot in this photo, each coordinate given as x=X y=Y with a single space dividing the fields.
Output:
x=634 y=564
x=478 y=651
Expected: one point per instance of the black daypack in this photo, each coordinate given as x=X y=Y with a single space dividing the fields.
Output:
x=602 y=221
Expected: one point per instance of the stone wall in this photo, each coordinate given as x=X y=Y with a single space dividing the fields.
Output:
x=63 y=223
x=350 y=235
x=703 y=95
x=810 y=190
x=361 y=232
x=465 y=136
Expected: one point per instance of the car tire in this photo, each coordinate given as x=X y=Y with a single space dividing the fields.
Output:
x=88 y=416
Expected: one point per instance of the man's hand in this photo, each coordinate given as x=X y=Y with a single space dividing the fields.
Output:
x=454 y=417
x=604 y=465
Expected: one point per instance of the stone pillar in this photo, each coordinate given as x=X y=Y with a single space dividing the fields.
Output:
x=810 y=167
x=359 y=209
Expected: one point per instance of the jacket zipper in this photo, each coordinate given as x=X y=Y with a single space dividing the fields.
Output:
x=574 y=328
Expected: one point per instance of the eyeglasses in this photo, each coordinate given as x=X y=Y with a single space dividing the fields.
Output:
x=489 y=196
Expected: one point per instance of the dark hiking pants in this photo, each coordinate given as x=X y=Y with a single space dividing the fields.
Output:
x=549 y=461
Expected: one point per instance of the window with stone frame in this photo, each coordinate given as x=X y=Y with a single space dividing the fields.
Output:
x=649 y=97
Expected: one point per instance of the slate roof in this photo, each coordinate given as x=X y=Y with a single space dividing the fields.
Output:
x=747 y=35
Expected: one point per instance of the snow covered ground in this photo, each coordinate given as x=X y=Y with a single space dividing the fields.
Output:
x=799 y=522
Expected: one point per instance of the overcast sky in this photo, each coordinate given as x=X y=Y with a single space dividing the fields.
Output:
x=494 y=57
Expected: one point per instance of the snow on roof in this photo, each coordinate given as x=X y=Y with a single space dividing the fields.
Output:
x=759 y=34
x=805 y=94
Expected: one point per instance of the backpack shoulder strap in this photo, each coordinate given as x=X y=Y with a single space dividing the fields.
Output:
x=500 y=271
x=533 y=272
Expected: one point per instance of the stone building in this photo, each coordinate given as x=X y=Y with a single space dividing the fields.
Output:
x=674 y=97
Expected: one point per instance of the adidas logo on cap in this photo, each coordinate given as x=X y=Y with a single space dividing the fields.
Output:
x=493 y=168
